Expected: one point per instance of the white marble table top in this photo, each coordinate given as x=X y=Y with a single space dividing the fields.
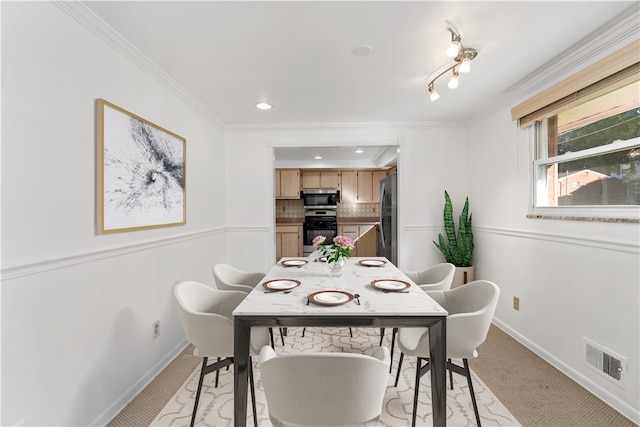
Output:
x=356 y=279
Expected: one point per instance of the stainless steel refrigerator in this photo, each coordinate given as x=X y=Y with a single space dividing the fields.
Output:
x=388 y=233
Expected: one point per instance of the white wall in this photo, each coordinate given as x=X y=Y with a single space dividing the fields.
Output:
x=575 y=279
x=78 y=308
x=431 y=160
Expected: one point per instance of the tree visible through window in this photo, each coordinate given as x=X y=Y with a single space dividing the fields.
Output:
x=589 y=154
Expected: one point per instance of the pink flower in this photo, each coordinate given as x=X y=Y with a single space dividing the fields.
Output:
x=343 y=242
x=318 y=240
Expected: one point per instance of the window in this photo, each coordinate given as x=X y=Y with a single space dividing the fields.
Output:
x=586 y=146
x=589 y=155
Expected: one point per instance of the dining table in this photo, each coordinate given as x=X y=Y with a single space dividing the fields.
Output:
x=370 y=292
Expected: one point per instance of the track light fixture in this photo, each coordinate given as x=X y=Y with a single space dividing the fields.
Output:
x=462 y=57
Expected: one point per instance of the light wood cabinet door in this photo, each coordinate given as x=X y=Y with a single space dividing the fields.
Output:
x=365 y=186
x=367 y=244
x=349 y=184
x=288 y=241
x=330 y=180
x=325 y=180
x=287 y=183
x=375 y=191
x=350 y=231
x=310 y=179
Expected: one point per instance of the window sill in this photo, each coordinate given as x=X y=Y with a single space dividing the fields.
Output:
x=584 y=218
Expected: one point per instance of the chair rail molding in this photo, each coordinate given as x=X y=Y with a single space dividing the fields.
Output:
x=26 y=269
x=588 y=241
x=613 y=245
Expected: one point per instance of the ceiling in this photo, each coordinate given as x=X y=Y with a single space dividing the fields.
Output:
x=297 y=55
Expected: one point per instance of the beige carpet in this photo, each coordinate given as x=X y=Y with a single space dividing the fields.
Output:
x=216 y=404
x=536 y=393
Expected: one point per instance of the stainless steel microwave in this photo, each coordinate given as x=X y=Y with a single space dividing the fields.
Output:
x=320 y=199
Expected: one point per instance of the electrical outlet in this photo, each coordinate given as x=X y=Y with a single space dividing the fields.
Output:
x=156 y=329
x=516 y=303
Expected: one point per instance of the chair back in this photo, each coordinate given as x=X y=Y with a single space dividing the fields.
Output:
x=471 y=308
x=324 y=389
x=230 y=278
x=206 y=317
x=437 y=277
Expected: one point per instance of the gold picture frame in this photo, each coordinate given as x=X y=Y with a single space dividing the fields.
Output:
x=141 y=172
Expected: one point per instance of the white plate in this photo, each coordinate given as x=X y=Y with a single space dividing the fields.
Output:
x=330 y=297
x=390 y=285
x=282 y=284
x=294 y=262
x=373 y=262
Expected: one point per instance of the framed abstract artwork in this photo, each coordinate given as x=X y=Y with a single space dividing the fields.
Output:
x=141 y=172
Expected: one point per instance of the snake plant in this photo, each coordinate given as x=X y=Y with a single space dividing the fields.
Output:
x=459 y=245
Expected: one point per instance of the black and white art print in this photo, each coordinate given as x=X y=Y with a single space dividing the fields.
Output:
x=141 y=172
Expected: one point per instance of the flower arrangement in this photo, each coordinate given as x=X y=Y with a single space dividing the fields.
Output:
x=341 y=247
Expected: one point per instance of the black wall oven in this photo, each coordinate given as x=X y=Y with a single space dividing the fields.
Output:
x=320 y=199
x=318 y=222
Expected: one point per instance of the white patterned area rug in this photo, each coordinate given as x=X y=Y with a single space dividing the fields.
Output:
x=216 y=404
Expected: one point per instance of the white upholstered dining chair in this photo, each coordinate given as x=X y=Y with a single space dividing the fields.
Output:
x=230 y=278
x=324 y=389
x=206 y=317
x=471 y=308
x=435 y=278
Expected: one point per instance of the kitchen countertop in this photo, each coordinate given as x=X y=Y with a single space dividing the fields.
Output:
x=341 y=220
x=294 y=221
x=358 y=220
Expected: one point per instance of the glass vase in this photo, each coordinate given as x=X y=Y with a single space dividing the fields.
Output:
x=336 y=268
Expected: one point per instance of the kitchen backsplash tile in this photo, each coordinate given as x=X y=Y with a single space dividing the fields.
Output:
x=358 y=210
x=289 y=209
x=295 y=209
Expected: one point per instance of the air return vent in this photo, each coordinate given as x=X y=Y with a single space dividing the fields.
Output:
x=603 y=360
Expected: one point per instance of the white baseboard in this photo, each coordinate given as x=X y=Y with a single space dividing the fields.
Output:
x=117 y=406
x=633 y=414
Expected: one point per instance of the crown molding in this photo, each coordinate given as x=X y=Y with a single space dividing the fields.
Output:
x=353 y=125
x=615 y=34
x=85 y=16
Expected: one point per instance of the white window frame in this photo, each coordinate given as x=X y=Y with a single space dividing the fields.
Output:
x=614 y=71
x=538 y=189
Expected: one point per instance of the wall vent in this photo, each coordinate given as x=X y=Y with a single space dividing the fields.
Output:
x=603 y=360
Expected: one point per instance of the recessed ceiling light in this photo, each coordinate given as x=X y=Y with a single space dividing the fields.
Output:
x=362 y=50
x=359 y=151
x=263 y=106
x=318 y=157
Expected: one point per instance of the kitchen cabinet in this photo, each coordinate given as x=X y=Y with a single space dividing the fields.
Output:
x=287 y=183
x=376 y=176
x=367 y=244
x=325 y=180
x=348 y=186
x=361 y=186
x=365 y=186
x=288 y=241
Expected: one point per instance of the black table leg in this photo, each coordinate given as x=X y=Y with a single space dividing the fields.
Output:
x=438 y=353
x=242 y=335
